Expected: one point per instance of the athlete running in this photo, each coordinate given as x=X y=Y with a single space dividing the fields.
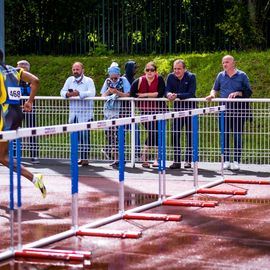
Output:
x=11 y=114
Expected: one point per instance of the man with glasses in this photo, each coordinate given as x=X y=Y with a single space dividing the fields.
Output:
x=181 y=85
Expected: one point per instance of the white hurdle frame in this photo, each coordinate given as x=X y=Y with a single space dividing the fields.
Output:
x=50 y=130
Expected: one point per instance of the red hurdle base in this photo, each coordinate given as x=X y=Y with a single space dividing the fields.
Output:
x=192 y=203
x=49 y=255
x=149 y=216
x=246 y=181
x=222 y=191
x=109 y=233
x=86 y=254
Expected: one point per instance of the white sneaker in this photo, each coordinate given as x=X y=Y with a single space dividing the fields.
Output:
x=226 y=165
x=40 y=185
x=235 y=166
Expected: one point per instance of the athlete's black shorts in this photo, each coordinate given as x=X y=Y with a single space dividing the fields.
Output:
x=12 y=116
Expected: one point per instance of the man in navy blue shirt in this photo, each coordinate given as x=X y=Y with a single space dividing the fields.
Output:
x=232 y=83
x=181 y=85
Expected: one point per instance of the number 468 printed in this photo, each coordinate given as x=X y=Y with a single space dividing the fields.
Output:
x=14 y=93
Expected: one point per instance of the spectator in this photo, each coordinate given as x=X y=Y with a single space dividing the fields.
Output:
x=131 y=68
x=232 y=83
x=150 y=85
x=11 y=112
x=114 y=87
x=29 y=117
x=77 y=88
x=181 y=84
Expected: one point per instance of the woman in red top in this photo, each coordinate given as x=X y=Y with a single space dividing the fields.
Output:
x=150 y=85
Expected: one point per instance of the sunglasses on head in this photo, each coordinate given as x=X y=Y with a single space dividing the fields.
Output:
x=150 y=69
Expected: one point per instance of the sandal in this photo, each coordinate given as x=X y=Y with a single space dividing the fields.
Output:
x=146 y=165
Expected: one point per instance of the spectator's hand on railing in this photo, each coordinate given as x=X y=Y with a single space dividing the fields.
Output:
x=113 y=90
x=210 y=97
x=142 y=95
x=72 y=93
x=171 y=96
x=235 y=94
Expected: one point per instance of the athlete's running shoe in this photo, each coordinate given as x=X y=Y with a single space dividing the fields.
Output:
x=39 y=184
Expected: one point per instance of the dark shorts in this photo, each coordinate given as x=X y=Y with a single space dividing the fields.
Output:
x=12 y=116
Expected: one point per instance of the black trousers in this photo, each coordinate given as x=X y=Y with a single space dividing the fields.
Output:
x=178 y=125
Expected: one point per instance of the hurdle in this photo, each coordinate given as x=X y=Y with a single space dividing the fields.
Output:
x=195 y=159
x=247 y=181
x=73 y=128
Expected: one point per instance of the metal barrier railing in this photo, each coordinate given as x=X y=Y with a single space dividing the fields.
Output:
x=255 y=131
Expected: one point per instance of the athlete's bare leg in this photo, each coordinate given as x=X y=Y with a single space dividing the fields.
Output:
x=4 y=159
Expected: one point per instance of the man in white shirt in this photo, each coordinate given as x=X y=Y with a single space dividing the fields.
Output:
x=77 y=88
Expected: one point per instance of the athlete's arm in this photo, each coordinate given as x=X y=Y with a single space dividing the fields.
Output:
x=34 y=84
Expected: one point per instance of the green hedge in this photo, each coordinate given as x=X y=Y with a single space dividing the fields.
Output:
x=53 y=70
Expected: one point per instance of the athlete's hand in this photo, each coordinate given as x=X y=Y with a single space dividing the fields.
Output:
x=27 y=107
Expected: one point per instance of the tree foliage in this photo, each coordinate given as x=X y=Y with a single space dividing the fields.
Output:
x=134 y=26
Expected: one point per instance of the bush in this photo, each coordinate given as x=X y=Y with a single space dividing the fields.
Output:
x=53 y=70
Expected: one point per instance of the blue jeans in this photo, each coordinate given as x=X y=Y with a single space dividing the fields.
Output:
x=234 y=126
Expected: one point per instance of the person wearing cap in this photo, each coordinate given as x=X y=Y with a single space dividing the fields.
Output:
x=77 y=88
x=30 y=117
x=12 y=115
x=114 y=86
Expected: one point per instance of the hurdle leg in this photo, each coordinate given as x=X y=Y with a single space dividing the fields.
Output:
x=195 y=140
x=19 y=196
x=74 y=177
x=11 y=193
x=121 y=156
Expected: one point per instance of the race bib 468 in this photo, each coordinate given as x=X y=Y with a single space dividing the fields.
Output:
x=14 y=93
